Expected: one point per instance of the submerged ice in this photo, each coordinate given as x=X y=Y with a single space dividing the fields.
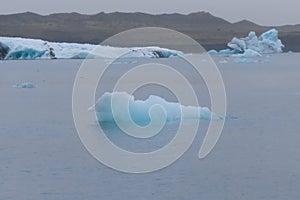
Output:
x=20 y=48
x=140 y=109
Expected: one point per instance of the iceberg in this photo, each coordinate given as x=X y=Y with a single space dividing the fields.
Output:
x=253 y=46
x=24 y=49
x=139 y=109
x=268 y=42
x=248 y=53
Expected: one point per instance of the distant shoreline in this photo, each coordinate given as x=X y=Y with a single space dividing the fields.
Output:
x=210 y=31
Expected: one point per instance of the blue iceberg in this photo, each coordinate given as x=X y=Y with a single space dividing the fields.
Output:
x=140 y=109
x=253 y=46
x=268 y=42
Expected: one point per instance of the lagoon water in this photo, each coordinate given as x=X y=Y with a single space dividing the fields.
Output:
x=257 y=156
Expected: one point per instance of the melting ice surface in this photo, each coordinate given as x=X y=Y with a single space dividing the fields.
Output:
x=20 y=48
x=139 y=109
x=252 y=45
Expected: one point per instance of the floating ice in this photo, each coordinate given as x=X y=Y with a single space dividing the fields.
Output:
x=25 y=85
x=268 y=42
x=248 y=53
x=139 y=109
x=20 y=48
x=245 y=60
x=265 y=61
x=212 y=52
x=289 y=53
x=226 y=52
x=253 y=46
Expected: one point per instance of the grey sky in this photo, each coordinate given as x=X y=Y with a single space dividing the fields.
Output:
x=265 y=12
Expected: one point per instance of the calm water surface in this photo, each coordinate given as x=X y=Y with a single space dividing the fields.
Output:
x=257 y=156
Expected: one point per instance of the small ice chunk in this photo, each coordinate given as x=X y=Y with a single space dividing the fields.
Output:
x=288 y=53
x=244 y=60
x=29 y=85
x=212 y=52
x=226 y=52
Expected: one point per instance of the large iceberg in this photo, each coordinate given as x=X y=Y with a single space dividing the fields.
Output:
x=20 y=48
x=268 y=42
x=139 y=109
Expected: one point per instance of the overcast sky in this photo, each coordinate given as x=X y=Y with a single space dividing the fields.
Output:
x=265 y=12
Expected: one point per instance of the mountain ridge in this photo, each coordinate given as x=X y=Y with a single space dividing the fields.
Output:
x=210 y=31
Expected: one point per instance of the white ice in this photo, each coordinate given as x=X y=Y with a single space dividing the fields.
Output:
x=21 y=48
x=268 y=42
x=253 y=46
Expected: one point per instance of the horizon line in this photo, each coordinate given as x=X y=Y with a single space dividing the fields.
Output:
x=148 y=13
